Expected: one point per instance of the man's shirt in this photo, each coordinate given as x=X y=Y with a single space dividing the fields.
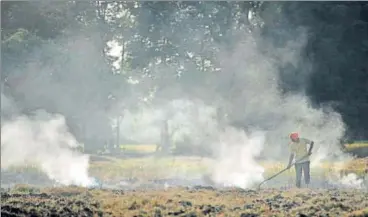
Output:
x=300 y=149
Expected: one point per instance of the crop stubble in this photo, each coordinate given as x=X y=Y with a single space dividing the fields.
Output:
x=196 y=201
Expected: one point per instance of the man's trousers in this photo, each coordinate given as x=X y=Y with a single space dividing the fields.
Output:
x=303 y=167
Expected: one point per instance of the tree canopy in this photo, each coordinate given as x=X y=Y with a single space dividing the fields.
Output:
x=91 y=60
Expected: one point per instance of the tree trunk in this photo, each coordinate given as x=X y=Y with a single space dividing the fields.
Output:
x=165 y=137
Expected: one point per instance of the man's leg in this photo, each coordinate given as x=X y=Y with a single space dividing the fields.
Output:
x=298 y=174
x=306 y=171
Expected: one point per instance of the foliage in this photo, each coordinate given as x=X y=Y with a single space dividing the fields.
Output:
x=168 y=62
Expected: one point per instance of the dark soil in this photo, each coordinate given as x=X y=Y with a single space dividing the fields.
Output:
x=198 y=201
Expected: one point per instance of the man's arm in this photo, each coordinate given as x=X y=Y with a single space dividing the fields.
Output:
x=290 y=160
x=310 y=148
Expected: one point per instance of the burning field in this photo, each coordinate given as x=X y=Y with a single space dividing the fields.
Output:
x=149 y=191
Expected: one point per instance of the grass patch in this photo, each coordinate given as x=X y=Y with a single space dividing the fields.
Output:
x=147 y=168
x=24 y=169
x=151 y=168
x=139 y=148
x=165 y=167
x=24 y=189
x=360 y=144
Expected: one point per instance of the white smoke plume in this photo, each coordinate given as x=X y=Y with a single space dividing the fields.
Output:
x=251 y=94
x=236 y=165
x=194 y=124
x=350 y=180
x=44 y=141
x=252 y=74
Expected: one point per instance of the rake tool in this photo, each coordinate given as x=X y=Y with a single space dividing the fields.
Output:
x=273 y=176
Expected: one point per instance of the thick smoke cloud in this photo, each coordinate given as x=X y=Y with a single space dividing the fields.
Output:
x=259 y=103
x=68 y=76
x=58 y=101
x=44 y=141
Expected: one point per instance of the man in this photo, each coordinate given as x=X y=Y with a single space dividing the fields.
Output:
x=300 y=151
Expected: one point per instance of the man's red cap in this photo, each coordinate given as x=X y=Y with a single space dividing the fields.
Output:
x=294 y=136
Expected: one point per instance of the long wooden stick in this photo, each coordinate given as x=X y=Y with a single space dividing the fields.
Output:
x=273 y=176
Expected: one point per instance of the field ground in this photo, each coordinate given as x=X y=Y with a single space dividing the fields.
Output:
x=73 y=201
x=164 y=167
x=111 y=169
x=149 y=148
x=188 y=199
